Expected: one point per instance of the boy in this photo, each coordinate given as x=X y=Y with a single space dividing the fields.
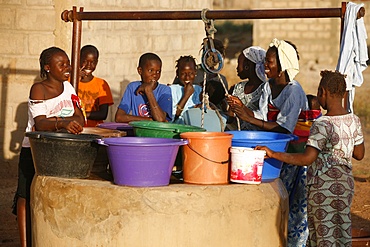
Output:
x=146 y=99
x=94 y=92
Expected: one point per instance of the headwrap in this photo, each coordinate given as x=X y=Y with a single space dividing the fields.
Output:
x=288 y=57
x=257 y=55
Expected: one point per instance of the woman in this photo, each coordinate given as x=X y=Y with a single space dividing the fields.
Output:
x=279 y=107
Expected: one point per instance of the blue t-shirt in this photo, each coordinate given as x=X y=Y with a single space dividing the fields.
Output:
x=138 y=105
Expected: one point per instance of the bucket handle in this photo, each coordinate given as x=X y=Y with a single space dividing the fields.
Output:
x=219 y=162
x=100 y=142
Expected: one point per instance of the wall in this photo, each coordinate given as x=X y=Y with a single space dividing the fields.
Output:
x=29 y=26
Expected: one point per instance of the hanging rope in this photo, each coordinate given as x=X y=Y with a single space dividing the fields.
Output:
x=210 y=59
x=204 y=97
x=227 y=94
x=206 y=104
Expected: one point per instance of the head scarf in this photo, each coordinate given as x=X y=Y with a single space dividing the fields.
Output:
x=288 y=57
x=257 y=55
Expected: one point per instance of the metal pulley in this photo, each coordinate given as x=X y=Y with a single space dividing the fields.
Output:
x=212 y=59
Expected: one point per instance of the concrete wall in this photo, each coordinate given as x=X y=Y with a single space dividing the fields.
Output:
x=29 y=26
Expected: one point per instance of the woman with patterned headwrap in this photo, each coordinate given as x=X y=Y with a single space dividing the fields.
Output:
x=251 y=70
x=281 y=102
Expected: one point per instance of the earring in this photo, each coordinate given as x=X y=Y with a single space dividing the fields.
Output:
x=48 y=71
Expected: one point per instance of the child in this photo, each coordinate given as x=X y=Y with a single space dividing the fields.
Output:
x=247 y=93
x=334 y=139
x=185 y=95
x=94 y=92
x=146 y=99
x=52 y=105
x=214 y=87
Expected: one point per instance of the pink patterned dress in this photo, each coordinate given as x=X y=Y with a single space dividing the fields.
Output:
x=330 y=180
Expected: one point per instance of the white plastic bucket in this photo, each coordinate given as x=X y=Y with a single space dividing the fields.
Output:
x=246 y=165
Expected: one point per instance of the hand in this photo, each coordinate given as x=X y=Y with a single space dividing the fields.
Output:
x=146 y=87
x=82 y=72
x=269 y=152
x=188 y=89
x=73 y=126
x=241 y=113
x=234 y=101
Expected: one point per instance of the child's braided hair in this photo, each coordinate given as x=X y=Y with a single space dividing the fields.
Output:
x=185 y=59
x=45 y=58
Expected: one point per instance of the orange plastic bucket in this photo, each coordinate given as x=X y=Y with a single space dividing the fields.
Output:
x=206 y=157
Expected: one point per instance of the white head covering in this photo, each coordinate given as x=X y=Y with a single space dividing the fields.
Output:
x=257 y=55
x=288 y=57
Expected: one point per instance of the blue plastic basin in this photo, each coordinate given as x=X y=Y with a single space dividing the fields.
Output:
x=275 y=141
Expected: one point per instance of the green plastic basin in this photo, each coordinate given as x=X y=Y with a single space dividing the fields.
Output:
x=162 y=129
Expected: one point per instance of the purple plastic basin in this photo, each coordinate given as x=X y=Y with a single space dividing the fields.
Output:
x=142 y=161
x=118 y=126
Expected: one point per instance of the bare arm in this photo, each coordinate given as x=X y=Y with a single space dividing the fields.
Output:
x=72 y=124
x=247 y=115
x=123 y=117
x=188 y=91
x=155 y=110
x=300 y=159
x=101 y=114
x=359 y=152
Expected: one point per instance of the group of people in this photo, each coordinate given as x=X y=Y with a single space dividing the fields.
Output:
x=318 y=180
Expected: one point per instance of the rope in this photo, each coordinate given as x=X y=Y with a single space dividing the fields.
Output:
x=209 y=25
x=227 y=94
x=204 y=97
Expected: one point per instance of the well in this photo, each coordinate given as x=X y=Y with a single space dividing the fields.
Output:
x=95 y=212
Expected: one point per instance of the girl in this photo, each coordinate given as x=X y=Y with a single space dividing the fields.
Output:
x=52 y=105
x=334 y=139
x=185 y=95
x=250 y=68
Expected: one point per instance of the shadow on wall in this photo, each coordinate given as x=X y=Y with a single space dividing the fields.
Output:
x=20 y=115
x=118 y=95
x=235 y=35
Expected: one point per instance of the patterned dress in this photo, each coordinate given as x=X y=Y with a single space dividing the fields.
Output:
x=250 y=100
x=330 y=180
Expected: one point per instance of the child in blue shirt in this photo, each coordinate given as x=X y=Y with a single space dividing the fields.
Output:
x=146 y=99
x=185 y=95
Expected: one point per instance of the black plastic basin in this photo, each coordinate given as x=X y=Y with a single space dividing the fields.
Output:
x=63 y=154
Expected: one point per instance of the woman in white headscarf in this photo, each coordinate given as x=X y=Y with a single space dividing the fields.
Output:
x=251 y=70
x=281 y=102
